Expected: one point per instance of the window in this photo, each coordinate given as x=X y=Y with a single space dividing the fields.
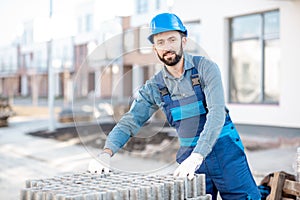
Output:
x=88 y=23
x=142 y=6
x=158 y=4
x=255 y=58
x=85 y=23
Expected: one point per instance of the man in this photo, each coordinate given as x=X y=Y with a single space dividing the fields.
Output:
x=190 y=92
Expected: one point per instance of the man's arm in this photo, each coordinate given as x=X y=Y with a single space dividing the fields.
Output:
x=141 y=110
x=214 y=93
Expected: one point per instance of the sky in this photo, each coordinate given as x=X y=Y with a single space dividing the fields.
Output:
x=15 y=12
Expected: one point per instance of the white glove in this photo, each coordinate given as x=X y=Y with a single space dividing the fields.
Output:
x=189 y=166
x=100 y=164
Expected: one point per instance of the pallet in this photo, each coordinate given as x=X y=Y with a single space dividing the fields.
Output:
x=283 y=186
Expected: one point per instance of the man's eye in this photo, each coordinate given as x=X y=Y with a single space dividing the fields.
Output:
x=159 y=43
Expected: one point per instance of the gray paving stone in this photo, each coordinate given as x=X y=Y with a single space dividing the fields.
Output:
x=111 y=187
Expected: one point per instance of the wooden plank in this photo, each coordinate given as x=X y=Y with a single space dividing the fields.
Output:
x=270 y=181
x=291 y=187
x=277 y=186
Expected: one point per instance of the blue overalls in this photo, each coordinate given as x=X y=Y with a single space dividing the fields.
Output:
x=226 y=166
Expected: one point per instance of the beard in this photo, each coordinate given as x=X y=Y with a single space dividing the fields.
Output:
x=171 y=61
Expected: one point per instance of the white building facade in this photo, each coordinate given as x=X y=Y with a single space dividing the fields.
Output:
x=255 y=44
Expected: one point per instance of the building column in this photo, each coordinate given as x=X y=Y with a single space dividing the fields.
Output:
x=67 y=83
x=56 y=85
x=137 y=77
x=34 y=89
x=117 y=82
x=97 y=84
x=24 y=85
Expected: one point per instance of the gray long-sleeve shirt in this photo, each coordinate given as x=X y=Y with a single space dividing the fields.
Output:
x=149 y=101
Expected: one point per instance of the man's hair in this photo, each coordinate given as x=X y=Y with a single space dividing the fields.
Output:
x=182 y=34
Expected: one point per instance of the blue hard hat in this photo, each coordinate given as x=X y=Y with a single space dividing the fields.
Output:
x=165 y=22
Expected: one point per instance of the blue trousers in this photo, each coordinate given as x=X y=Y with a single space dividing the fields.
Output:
x=226 y=168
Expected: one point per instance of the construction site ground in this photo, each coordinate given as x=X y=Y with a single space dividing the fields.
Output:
x=29 y=151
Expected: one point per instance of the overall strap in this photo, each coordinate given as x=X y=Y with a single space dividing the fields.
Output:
x=196 y=84
x=196 y=80
x=164 y=92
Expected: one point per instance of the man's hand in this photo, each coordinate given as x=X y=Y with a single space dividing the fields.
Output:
x=100 y=164
x=189 y=166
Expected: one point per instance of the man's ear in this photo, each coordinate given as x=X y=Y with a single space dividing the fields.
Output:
x=184 y=41
x=154 y=49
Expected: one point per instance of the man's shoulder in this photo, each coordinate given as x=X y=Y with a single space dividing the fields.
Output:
x=201 y=59
x=203 y=62
x=156 y=77
x=153 y=80
x=198 y=60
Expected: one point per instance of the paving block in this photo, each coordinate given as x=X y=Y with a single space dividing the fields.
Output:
x=115 y=186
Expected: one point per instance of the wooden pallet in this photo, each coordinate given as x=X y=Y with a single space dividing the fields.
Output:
x=283 y=186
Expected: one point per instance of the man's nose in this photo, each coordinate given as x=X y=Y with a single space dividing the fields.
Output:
x=167 y=46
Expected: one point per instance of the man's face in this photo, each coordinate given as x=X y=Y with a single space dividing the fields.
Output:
x=169 y=47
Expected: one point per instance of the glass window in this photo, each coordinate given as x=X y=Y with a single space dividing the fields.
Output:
x=272 y=68
x=255 y=59
x=158 y=5
x=245 y=86
x=88 y=23
x=271 y=24
x=142 y=6
x=246 y=26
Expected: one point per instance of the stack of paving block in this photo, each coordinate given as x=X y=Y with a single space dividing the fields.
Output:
x=115 y=186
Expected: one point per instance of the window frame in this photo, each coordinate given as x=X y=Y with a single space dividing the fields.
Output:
x=262 y=39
